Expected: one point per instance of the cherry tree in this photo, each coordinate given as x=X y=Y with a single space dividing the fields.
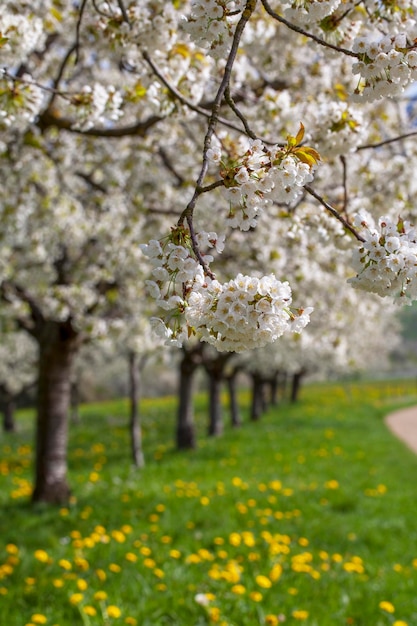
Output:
x=193 y=128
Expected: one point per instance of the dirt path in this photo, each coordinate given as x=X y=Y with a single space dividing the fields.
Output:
x=403 y=424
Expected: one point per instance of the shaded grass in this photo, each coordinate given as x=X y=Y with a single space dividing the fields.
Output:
x=308 y=515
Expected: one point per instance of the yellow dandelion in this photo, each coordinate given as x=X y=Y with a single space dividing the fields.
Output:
x=263 y=581
x=271 y=620
x=11 y=548
x=101 y=574
x=387 y=606
x=238 y=590
x=76 y=598
x=113 y=567
x=130 y=556
x=82 y=584
x=65 y=564
x=256 y=596
x=332 y=484
x=39 y=618
x=90 y=610
x=58 y=583
x=118 y=536
x=214 y=613
x=113 y=611
x=235 y=539
x=159 y=573
x=131 y=621
x=399 y=622
x=42 y=556
x=100 y=595
x=300 y=614
x=175 y=554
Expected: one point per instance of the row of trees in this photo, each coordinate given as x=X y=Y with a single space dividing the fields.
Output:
x=278 y=127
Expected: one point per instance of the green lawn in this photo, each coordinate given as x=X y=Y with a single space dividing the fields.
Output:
x=307 y=517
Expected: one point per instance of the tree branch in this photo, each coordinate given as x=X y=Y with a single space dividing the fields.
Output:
x=305 y=33
x=188 y=212
x=387 y=141
x=47 y=120
x=181 y=98
x=334 y=212
x=239 y=114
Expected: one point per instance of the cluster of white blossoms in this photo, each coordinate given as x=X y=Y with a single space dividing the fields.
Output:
x=337 y=127
x=385 y=67
x=262 y=176
x=176 y=272
x=20 y=102
x=310 y=11
x=211 y=24
x=19 y=36
x=244 y=313
x=151 y=25
x=96 y=105
x=386 y=263
x=238 y=315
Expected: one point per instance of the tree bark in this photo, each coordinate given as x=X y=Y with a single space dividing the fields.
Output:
x=273 y=387
x=215 y=368
x=215 y=426
x=296 y=385
x=235 y=416
x=135 y=424
x=185 y=435
x=257 y=404
x=58 y=344
x=9 y=424
x=75 y=401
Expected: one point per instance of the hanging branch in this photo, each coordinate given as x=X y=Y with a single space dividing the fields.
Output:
x=181 y=98
x=78 y=30
x=214 y=117
x=345 y=193
x=385 y=142
x=334 y=212
x=305 y=33
x=238 y=113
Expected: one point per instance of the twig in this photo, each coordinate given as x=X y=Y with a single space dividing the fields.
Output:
x=239 y=114
x=345 y=194
x=188 y=212
x=334 y=212
x=179 y=96
x=77 y=31
x=301 y=31
x=168 y=164
x=387 y=141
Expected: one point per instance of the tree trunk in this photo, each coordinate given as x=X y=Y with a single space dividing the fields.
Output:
x=185 y=435
x=296 y=384
x=215 y=368
x=75 y=401
x=215 y=427
x=257 y=397
x=135 y=425
x=273 y=387
x=236 y=419
x=58 y=344
x=9 y=424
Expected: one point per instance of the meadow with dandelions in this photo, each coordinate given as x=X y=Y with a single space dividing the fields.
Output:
x=305 y=517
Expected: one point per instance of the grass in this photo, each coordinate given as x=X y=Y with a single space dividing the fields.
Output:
x=306 y=517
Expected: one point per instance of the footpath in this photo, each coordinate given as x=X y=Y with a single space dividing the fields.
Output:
x=403 y=424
